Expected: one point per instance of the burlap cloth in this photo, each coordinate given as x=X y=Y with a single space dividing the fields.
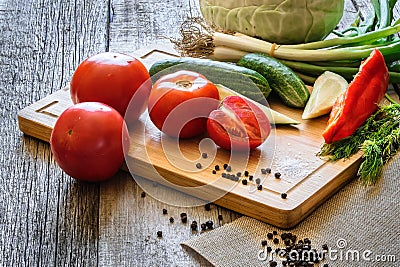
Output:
x=358 y=220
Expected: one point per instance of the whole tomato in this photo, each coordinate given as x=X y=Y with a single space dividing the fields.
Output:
x=238 y=125
x=180 y=103
x=88 y=141
x=113 y=79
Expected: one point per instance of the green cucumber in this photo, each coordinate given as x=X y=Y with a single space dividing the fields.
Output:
x=240 y=79
x=289 y=87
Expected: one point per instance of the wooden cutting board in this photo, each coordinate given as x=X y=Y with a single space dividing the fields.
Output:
x=291 y=150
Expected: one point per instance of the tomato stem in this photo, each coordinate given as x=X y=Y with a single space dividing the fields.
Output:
x=184 y=84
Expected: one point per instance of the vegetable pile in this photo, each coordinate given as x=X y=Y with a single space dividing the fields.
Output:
x=189 y=97
x=342 y=55
x=364 y=58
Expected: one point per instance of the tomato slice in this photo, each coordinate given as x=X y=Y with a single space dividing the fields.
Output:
x=238 y=125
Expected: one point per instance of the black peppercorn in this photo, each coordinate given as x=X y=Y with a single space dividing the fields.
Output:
x=276 y=240
x=164 y=211
x=250 y=177
x=198 y=165
x=283 y=195
x=184 y=217
x=270 y=235
x=193 y=226
x=171 y=219
x=259 y=187
x=258 y=181
x=203 y=226
x=228 y=168
x=269 y=249
x=207 y=206
x=223 y=175
x=143 y=194
x=263 y=171
x=284 y=236
x=244 y=182
x=238 y=174
x=204 y=155
x=273 y=263
x=216 y=167
x=214 y=172
x=268 y=170
x=220 y=217
x=277 y=175
x=159 y=233
x=287 y=241
x=209 y=224
x=246 y=173
x=275 y=232
x=225 y=166
x=263 y=243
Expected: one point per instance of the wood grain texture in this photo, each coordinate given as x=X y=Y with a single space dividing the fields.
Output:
x=46 y=218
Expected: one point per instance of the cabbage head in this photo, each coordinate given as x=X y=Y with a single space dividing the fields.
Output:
x=279 y=21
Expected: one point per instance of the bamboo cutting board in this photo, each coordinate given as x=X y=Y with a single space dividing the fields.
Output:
x=291 y=150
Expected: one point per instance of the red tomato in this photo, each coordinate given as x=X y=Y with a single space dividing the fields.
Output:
x=88 y=141
x=180 y=103
x=113 y=79
x=238 y=124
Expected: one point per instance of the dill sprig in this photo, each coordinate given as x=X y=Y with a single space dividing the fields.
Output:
x=378 y=138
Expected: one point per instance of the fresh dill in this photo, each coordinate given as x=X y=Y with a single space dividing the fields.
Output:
x=378 y=138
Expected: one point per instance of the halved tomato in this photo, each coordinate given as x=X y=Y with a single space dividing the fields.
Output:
x=238 y=124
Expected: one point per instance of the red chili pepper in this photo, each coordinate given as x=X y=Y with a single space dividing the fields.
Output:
x=360 y=100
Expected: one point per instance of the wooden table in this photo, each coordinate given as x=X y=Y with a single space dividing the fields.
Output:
x=47 y=218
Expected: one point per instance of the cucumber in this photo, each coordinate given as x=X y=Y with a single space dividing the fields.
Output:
x=240 y=79
x=289 y=87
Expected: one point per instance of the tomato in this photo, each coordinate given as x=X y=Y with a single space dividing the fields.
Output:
x=238 y=125
x=113 y=79
x=180 y=103
x=88 y=141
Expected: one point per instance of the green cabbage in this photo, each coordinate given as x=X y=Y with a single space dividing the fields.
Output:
x=279 y=21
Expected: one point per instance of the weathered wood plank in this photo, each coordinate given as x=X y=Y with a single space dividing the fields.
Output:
x=46 y=218
x=139 y=23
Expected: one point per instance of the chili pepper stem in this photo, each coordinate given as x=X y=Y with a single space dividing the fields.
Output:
x=391 y=100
